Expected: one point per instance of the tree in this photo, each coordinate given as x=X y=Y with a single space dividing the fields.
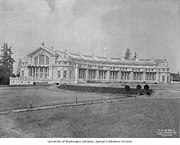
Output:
x=127 y=54
x=135 y=55
x=18 y=68
x=6 y=64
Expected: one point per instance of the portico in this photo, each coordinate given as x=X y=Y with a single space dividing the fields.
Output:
x=38 y=71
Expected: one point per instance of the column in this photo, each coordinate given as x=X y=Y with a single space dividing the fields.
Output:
x=97 y=74
x=62 y=74
x=38 y=60
x=144 y=76
x=122 y=76
x=69 y=74
x=76 y=73
x=45 y=60
x=103 y=75
x=50 y=72
x=33 y=72
x=87 y=74
x=131 y=76
x=43 y=72
x=79 y=73
x=141 y=76
x=119 y=75
x=108 y=75
x=37 y=71
x=157 y=76
x=28 y=72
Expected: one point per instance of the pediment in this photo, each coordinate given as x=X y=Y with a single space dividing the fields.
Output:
x=63 y=57
x=41 y=51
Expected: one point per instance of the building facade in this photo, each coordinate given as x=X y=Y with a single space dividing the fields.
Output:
x=45 y=65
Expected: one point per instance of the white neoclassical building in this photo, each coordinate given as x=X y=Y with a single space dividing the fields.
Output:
x=45 y=65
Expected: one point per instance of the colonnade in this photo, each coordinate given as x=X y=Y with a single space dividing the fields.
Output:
x=90 y=74
x=38 y=71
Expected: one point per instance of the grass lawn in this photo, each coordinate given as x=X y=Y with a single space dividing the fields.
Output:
x=17 y=98
x=139 y=117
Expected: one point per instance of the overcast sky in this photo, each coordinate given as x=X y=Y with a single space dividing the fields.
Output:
x=149 y=27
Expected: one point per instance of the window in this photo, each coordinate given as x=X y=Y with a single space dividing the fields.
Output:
x=47 y=60
x=41 y=73
x=163 y=78
x=41 y=69
x=41 y=59
x=36 y=60
x=59 y=73
x=65 y=74
x=22 y=73
x=70 y=74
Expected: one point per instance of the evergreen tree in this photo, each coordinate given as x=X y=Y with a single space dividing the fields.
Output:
x=18 y=68
x=6 y=64
x=135 y=55
x=127 y=54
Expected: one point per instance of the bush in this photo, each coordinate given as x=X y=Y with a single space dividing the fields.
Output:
x=34 y=83
x=138 y=87
x=127 y=88
x=146 y=87
x=142 y=92
x=149 y=92
x=57 y=84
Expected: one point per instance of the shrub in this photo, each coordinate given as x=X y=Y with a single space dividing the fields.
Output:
x=127 y=88
x=146 y=87
x=34 y=83
x=149 y=92
x=138 y=87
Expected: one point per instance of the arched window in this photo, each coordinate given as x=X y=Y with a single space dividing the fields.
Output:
x=36 y=60
x=47 y=60
x=163 y=78
x=65 y=74
x=41 y=59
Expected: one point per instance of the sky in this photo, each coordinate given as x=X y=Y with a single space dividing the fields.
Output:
x=151 y=28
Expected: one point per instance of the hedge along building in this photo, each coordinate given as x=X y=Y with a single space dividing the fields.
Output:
x=45 y=65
